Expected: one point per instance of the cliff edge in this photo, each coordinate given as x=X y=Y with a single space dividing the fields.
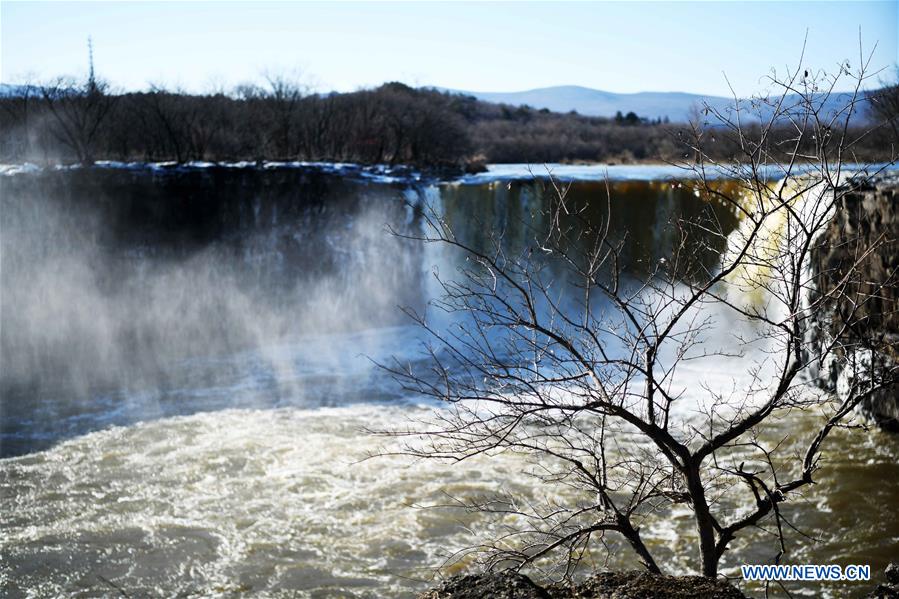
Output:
x=864 y=317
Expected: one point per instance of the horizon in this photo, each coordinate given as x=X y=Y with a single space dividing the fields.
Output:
x=344 y=46
x=441 y=89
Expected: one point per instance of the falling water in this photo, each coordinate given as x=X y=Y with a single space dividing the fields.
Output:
x=188 y=377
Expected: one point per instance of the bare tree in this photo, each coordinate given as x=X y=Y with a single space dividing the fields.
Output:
x=558 y=351
x=884 y=105
x=19 y=107
x=79 y=109
x=170 y=117
x=282 y=95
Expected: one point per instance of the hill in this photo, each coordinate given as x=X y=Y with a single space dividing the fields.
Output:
x=676 y=106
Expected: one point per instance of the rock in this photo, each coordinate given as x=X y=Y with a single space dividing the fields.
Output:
x=493 y=585
x=889 y=590
x=884 y=591
x=475 y=166
x=866 y=218
x=892 y=573
x=643 y=585
x=606 y=585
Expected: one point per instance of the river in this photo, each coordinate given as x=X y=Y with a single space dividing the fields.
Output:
x=189 y=377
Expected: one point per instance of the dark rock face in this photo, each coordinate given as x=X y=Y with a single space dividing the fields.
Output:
x=606 y=585
x=643 y=585
x=497 y=585
x=865 y=319
x=890 y=589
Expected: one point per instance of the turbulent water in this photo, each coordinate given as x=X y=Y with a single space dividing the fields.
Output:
x=186 y=416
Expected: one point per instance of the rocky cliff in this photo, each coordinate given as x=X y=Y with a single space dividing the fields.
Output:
x=861 y=308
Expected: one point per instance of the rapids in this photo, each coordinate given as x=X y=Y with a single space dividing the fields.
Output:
x=187 y=405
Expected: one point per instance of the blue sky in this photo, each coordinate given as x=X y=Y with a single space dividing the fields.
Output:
x=507 y=46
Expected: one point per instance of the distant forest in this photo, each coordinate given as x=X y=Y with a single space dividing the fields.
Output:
x=82 y=121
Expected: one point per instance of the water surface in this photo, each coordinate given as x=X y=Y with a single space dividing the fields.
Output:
x=185 y=402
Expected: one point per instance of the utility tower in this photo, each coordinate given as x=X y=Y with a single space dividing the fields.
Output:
x=91 y=80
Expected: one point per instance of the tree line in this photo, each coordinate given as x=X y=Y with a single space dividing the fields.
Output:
x=69 y=120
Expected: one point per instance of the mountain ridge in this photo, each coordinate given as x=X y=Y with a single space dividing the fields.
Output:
x=676 y=106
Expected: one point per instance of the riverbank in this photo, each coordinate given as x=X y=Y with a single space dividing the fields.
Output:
x=410 y=175
x=378 y=173
x=617 y=585
x=614 y=585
